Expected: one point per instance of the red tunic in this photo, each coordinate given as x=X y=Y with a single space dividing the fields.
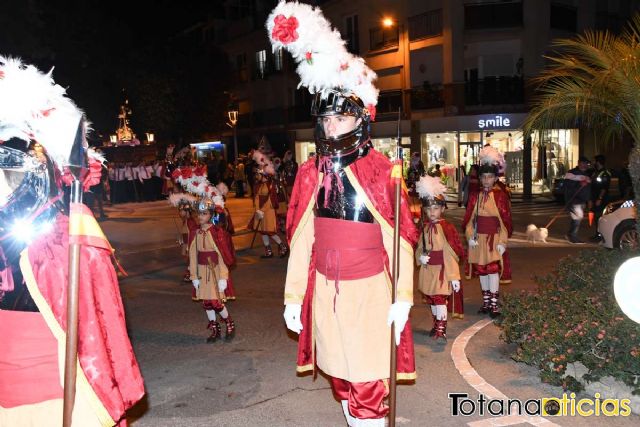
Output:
x=373 y=173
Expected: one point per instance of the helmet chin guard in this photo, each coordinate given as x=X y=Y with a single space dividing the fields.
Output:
x=333 y=103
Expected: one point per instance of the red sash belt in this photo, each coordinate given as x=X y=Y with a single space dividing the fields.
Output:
x=205 y=256
x=489 y=225
x=437 y=258
x=348 y=250
x=28 y=360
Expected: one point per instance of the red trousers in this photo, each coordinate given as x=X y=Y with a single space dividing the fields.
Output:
x=365 y=399
x=483 y=270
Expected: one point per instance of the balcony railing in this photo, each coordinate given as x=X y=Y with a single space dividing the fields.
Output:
x=494 y=91
x=426 y=97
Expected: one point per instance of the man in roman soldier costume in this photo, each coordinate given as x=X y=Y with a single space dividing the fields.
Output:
x=340 y=228
x=438 y=253
x=265 y=200
x=209 y=273
x=487 y=226
x=184 y=203
x=40 y=130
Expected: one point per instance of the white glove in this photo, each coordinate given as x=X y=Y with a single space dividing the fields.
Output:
x=473 y=243
x=455 y=284
x=196 y=283
x=501 y=249
x=424 y=259
x=259 y=214
x=222 y=285
x=292 y=317
x=398 y=314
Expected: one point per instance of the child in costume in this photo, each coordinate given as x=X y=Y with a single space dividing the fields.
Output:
x=438 y=254
x=209 y=273
x=184 y=204
x=487 y=226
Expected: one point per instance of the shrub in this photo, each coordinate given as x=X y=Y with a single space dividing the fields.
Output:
x=573 y=317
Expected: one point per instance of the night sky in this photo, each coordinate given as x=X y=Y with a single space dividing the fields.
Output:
x=100 y=47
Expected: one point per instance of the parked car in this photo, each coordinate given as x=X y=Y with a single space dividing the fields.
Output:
x=617 y=225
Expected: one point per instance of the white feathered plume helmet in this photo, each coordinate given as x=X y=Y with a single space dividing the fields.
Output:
x=431 y=190
x=34 y=107
x=194 y=181
x=324 y=64
x=182 y=200
x=491 y=160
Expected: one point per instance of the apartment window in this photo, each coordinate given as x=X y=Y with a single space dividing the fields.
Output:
x=563 y=17
x=389 y=102
x=426 y=25
x=261 y=64
x=241 y=67
x=493 y=15
x=381 y=37
x=278 y=59
x=352 y=35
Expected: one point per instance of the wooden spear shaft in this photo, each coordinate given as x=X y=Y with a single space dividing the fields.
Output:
x=395 y=268
x=71 y=353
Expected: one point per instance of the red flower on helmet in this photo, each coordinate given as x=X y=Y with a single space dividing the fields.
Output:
x=176 y=174
x=200 y=171
x=372 y=111
x=186 y=173
x=284 y=29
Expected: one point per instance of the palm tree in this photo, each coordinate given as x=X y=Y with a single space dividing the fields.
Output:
x=593 y=81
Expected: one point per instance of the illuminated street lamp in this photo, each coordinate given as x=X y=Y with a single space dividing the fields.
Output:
x=113 y=139
x=150 y=137
x=387 y=22
x=233 y=122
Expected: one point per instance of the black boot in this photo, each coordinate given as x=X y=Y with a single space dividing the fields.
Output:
x=486 y=303
x=494 y=310
x=441 y=332
x=283 y=250
x=573 y=233
x=268 y=252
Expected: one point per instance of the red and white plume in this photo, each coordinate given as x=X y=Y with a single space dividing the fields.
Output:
x=264 y=162
x=33 y=106
x=194 y=180
x=491 y=156
x=430 y=187
x=323 y=60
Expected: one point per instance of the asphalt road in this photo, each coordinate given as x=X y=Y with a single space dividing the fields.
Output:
x=251 y=381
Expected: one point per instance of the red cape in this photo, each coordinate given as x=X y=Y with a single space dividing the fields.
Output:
x=455 y=304
x=373 y=173
x=104 y=350
x=502 y=202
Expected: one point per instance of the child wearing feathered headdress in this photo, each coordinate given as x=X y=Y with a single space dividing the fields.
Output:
x=438 y=253
x=487 y=227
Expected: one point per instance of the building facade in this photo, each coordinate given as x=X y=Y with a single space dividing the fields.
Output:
x=457 y=70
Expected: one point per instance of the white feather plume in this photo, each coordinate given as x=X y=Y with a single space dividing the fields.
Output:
x=33 y=106
x=430 y=187
x=176 y=198
x=323 y=60
x=491 y=156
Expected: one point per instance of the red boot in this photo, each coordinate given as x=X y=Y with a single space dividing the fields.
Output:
x=231 y=328
x=215 y=331
x=441 y=331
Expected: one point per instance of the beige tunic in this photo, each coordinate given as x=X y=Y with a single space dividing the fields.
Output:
x=268 y=225
x=485 y=253
x=208 y=289
x=429 y=275
x=351 y=342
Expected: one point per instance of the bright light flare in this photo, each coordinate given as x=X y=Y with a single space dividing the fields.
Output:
x=22 y=230
x=387 y=22
x=626 y=289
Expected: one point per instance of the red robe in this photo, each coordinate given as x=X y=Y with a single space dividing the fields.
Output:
x=104 y=350
x=373 y=173
x=455 y=304
x=504 y=208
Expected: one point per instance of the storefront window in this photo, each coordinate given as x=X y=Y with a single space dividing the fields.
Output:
x=554 y=152
x=440 y=149
x=304 y=150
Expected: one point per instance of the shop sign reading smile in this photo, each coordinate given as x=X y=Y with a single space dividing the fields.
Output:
x=494 y=122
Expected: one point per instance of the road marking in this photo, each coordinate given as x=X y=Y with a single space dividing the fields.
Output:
x=472 y=377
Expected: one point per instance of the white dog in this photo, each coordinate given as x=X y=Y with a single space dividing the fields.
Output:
x=537 y=234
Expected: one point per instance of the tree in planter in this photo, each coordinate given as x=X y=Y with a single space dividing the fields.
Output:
x=593 y=80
